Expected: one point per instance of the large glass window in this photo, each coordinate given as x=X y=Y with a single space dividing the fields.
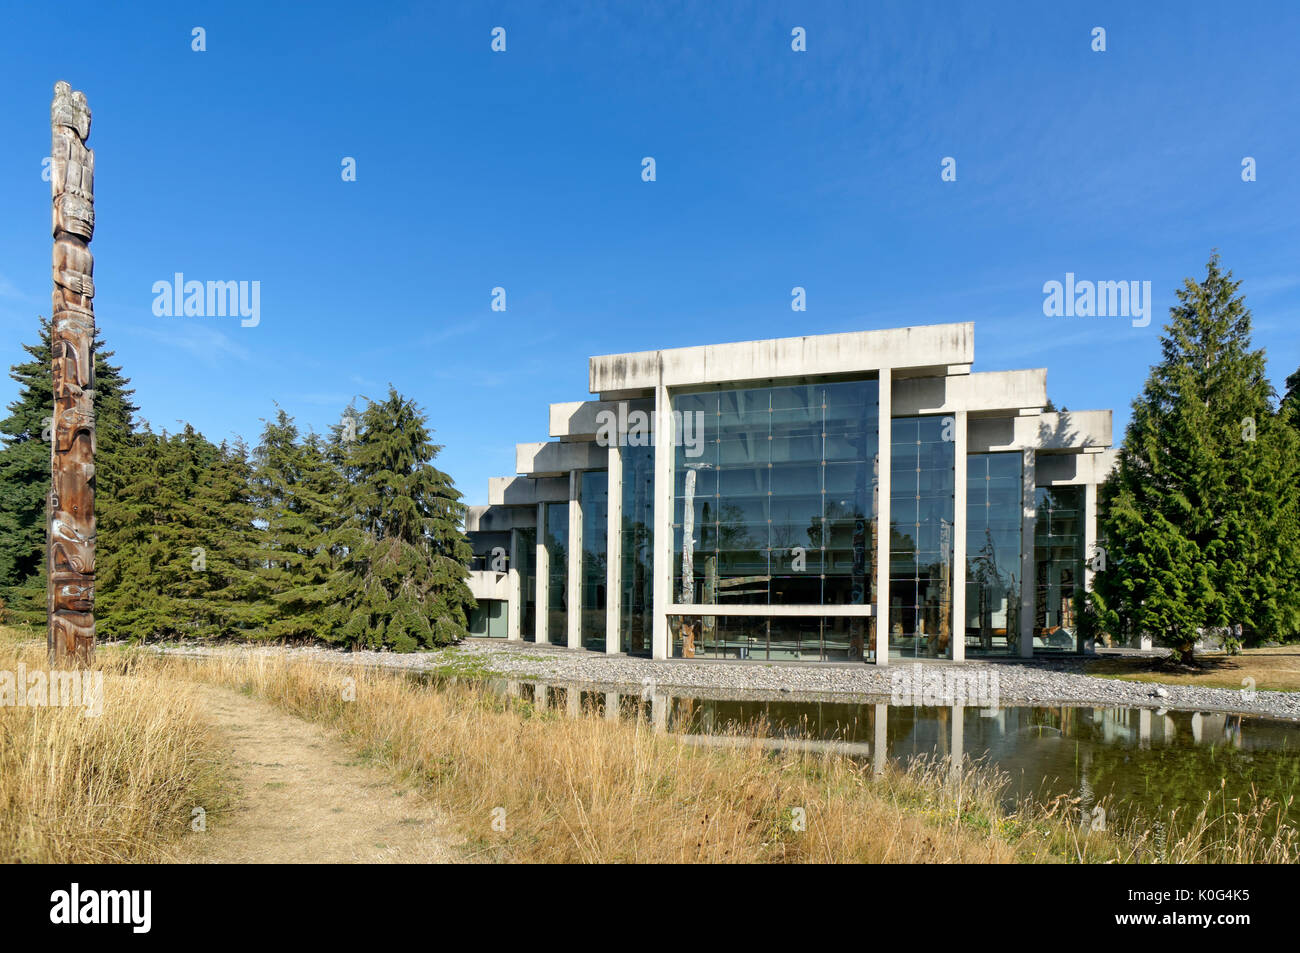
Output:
x=776 y=487
x=762 y=637
x=526 y=543
x=774 y=504
x=920 y=545
x=637 y=597
x=595 y=544
x=557 y=591
x=1058 y=566
x=994 y=511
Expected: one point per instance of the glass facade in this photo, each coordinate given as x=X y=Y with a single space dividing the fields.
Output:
x=557 y=586
x=773 y=510
x=920 y=545
x=637 y=595
x=526 y=543
x=819 y=638
x=1058 y=566
x=994 y=511
x=773 y=504
x=595 y=545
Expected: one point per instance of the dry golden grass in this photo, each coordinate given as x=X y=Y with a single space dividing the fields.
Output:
x=116 y=788
x=1273 y=670
x=579 y=789
x=590 y=790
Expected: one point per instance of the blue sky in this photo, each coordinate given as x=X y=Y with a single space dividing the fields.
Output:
x=522 y=169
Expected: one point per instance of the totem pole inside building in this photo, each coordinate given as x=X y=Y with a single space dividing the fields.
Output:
x=71 y=562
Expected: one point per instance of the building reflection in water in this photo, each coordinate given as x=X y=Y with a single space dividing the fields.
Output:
x=1144 y=755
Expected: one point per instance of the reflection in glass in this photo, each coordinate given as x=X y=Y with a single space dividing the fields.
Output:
x=595 y=542
x=526 y=541
x=920 y=543
x=557 y=591
x=994 y=510
x=1058 y=566
x=778 y=496
x=637 y=600
x=768 y=638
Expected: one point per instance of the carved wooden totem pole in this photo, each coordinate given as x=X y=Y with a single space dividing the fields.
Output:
x=71 y=528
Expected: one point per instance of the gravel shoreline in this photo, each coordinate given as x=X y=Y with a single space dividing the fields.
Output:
x=1040 y=682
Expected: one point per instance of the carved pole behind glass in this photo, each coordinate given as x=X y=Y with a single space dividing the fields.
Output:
x=71 y=555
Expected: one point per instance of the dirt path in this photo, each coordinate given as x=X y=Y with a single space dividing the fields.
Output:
x=305 y=798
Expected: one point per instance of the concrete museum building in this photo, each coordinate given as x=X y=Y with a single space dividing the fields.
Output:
x=853 y=497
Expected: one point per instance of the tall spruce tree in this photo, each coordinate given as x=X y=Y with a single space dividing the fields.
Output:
x=298 y=492
x=401 y=581
x=25 y=468
x=1200 y=521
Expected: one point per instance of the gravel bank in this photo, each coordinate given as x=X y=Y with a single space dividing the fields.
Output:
x=1054 y=682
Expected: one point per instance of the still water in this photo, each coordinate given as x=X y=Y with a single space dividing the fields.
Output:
x=1142 y=759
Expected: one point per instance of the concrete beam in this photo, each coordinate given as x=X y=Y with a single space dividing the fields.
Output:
x=498 y=519
x=936 y=345
x=984 y=392
x=557 y=459
x=1073 y=431
x=489 y=585
x=526 y=491
x=579 y=420
x=1072 y=469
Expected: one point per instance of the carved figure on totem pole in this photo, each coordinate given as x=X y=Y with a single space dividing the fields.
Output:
x=72 y=453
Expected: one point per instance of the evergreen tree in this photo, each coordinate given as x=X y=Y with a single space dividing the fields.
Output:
x=1290 y=408
x=298 y=492
x=401 y=580
x=25 y=468
x=185 y=559
x=1200 y=520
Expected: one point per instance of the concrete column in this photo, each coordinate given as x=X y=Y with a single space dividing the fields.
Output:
x=1089 y=541
x=883 y=458
x=543 y=567
x=574 y=698
x=611 y=706
x=1027 y=580
x=515 y=607
x=663 y=541
x=1089 y=532
x=574 y=580
x=957 y=650
x=614 y=554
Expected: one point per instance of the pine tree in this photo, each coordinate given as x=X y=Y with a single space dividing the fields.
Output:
x=401 y=581
x=1200 y=527
x=25 y=468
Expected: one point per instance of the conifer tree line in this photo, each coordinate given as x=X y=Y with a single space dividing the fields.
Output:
x=355 y=538
x=352 y=538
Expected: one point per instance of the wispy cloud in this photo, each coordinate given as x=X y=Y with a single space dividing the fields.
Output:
x=209 y=345
x=11 y=292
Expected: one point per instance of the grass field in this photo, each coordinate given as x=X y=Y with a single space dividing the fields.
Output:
x=1272 y=669
x=520 y=784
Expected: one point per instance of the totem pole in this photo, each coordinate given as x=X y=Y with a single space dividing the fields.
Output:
x=71 y=527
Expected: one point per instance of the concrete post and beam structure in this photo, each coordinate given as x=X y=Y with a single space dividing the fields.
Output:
x=784 y=444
